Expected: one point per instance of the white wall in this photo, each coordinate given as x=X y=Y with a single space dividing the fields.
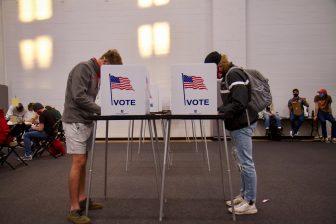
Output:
x=291 y=42
x=2 y=64
x=83 y=29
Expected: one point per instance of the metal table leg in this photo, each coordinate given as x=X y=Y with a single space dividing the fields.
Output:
x=157 y=145
x=128 y=143
x=106 y=155
x=205 y=143
x=186 y=131
x=228 y=170
x=140 y=137
x=194 y=134
x=221 y=158
x=154 y=157
x=167 y=133
x=88 y=195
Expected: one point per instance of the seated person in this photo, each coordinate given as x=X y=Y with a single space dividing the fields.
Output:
x=323 y=113
x=30 y=116
x=18 y=112
x=268 y=114
x=56 y=113
x=44 y=129
x=296 y=112
x=5 y=137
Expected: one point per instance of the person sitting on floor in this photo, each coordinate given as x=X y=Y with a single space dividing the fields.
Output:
x=323 y=113
x=44 y=129
x=269 y=114
x=296 y=112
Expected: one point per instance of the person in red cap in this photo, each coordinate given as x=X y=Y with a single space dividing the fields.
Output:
x=323 y=113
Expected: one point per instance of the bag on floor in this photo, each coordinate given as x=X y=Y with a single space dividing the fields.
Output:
x=57 y=148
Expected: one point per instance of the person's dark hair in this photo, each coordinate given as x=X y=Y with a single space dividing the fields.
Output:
x=295 y=90
x=38 y=106
x=19 y=107
x=30 y=106
x=113 y=57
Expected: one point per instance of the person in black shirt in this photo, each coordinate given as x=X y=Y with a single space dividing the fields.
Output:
x=44 y=129
x=240 y=120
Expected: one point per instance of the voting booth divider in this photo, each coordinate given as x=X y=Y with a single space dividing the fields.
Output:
x=193 y=89
x=124 y=90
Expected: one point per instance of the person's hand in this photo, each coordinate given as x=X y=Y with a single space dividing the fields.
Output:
x=220 y=109
x=315 y=118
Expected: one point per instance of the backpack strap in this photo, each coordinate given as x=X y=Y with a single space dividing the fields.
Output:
x=229 y=87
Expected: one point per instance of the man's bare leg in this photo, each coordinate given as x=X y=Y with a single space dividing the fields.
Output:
x=77 y=167
x=82 y=195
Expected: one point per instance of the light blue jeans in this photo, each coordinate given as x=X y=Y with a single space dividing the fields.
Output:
x=242 y=140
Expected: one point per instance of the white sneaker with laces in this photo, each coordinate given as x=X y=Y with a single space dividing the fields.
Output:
x=237 y=200
x=244 y=208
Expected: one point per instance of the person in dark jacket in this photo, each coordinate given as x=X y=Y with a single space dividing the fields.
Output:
x=240 y=120
x=81 y=91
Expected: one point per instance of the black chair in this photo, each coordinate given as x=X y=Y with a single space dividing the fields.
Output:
x=5 y=151
x=40 y=146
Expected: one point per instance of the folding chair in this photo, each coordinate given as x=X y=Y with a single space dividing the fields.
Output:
x=5 y=155
x=42 y=145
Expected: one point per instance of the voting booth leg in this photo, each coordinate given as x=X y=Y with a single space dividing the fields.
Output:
x=157 y=145
x=165 y=155
x=194 y=134
x=206 y=144
x=221 y=158
x=228 y=169
x=88 y=195
x=140 y=137
x=186 y=131
x=132 y=135
x=128 y=143
x=144 y=132
x=154 y=158
x=106 y=155
x=163 y=124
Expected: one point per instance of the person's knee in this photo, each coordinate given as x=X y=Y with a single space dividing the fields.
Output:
x=79 y=160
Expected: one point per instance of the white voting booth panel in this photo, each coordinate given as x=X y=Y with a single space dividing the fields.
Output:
x=124 y=90
x=193 y=89
x=154 y=99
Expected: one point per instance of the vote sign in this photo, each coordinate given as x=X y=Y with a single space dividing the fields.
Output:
x=124 y=90
x=194 y=89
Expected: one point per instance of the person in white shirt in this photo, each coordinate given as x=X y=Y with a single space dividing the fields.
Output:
x=16 y=111
x=30 y=115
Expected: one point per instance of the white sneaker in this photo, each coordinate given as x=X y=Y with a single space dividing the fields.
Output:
x=291 y=134
x=297 y=133
x=244 y=208
x=236 y=201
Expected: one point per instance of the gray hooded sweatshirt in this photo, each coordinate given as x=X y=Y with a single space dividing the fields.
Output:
x=81 y=92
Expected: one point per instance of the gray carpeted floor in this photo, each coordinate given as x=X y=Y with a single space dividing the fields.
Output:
x=298 y=178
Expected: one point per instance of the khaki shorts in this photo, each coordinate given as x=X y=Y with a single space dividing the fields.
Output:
x=79 y=137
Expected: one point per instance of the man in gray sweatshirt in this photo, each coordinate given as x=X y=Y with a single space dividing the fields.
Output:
x=81 y=91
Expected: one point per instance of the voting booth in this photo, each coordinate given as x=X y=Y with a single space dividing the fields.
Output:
x=154 y=99
x=193 y=89
x=124 y=90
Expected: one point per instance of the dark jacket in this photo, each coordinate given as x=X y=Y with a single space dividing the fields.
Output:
x=81 y=91
x=235 y=101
